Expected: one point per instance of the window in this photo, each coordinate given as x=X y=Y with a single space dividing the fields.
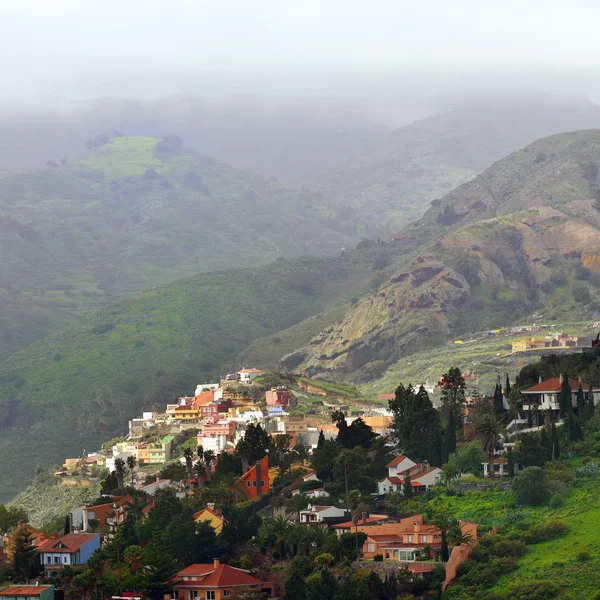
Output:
x=226 y=593
x=66 y=560
x=57 y=560
x=424 y=539
x=254 y=484
x=371 y=548
x=48 y=560
x=210 y=595
x=175 y=595
x=409 y=538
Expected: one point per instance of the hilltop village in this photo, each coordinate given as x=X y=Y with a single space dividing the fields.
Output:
x=264 y=485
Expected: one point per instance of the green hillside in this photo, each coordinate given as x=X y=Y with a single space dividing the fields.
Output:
x=394 y=183
x=521 y=237
x=79 y=386
x=128 y=216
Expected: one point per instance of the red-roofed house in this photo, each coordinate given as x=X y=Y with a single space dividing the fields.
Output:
x=214 y=582
x=256 y=479
x=422 y=476
x=72 y=549
x=27 y=592
x=322 y=514
x=544 y=396
x=213 y=516
x=249 y=375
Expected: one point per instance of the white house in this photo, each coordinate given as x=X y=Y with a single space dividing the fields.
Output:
x=312 y=476
x=318 y=514
x=249 y=375
x=152 y=488
x=202 y=387
x=500 y=467
x=216 y=444
x=422 y=476
x=316 y=493
x=71 y=549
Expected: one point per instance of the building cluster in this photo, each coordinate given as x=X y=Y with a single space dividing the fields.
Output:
x=553 y=340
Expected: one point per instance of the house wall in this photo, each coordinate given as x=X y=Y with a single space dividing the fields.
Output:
x=86 y=550
x=47 y=594
x=213 y=520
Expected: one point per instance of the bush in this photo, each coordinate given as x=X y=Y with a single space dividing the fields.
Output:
x=378 y=558
x=532 y=590
x=531 y=487
x=542 y=532
x=581 y=294
x=507 y=548
x=583 y=556
x=582 y=273
x=103 y=328
x=556 y=501
x=559 y=278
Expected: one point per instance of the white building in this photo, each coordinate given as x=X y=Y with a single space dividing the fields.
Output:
x=422 y=476
x=202 y=387
x=216 y=444
x=249 y=375
x=318 y=514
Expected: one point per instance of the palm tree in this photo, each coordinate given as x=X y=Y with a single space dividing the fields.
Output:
x=208 y=456
x=134 y=509
x=324 y=459
x=189 y=461
x=200 y=470
x=131 y=463
x=296 y=503
x=488 y=429
x=457 y=536
x=133 y=557
x=120 y=471
x=156 y=407
x=302 y=453
x=275 y=532
x=444 y=522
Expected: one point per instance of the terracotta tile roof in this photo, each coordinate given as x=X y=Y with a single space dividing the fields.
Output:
x=222 y=576
x=553 y=385
x=71 y=541
x=250 y=371
x=421 y=567
x=368 y=521
x=23 y=590
x=396 y=461
x=424 y=472
x=217 y=512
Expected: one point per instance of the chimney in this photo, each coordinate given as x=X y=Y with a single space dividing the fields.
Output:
x=210 y=505
x=540 y=379
x=216 y=562
x=561 y=378
x=579 y=378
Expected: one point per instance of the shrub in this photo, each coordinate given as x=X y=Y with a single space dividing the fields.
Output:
x=378 y=558
x=581 y=294
x=542 y=532
x=507 y=548
x=582 y=273
x=583 y=556
x=556 y=501
x=559 y=278
x=531 y=487
x=532 y=590
x=590 y=469
x=103 y=328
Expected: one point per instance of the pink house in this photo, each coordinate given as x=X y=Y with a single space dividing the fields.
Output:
x=278 y=396
x=210 y=412
x=223 y=427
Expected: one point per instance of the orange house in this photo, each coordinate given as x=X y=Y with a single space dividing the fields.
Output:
x=37 y=537
x=214 y=582
x=256 y=479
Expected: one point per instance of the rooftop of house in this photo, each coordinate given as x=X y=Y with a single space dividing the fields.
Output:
x=396 y=461
x=23 y=590
x=250 y=371
x=68 y=543
x=215 y=576
x=217 y=512
x=554 y=384
x=372 y=520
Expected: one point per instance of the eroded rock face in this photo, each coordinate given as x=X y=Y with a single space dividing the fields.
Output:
x=405 y=314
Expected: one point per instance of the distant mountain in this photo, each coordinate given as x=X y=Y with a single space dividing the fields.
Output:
x=79 y=386
x=291 y=142
x=127 y=216
x=522 y=236
x=394 y=183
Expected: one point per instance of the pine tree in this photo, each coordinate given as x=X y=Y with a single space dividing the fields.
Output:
x=507 y=386
x=25 y=557
x=407 y=487
x=565 y=402
x=554 y=444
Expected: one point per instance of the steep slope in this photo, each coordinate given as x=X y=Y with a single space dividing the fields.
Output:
x=126 y=217
x=394 y=183
x=523 y=235
x=80 y=385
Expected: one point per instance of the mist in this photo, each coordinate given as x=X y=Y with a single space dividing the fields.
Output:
x=391 y=60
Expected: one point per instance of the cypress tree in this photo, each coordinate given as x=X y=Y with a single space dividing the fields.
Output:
x=546 y=443
x=450 y=435
x=321 y=439
x=498 y=400
x=565 y=401
x=507 y=386
x=67 y=527
x=554 y=445
x=581 y=404
x=407 y=488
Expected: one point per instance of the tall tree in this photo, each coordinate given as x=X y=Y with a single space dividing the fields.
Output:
x=489 y=429
x=554 y=443
x=507 y=386
x=324 y=459
x=25 y=558
x=159 y=570
x=565 y=398
x=120 y=472
x=444 y=522
x=131 y=463
x=498 y=401
x=416 y=425
x=580 y=402
x=253 y=446
x=188 y=454
x=450 y=435
x=296 y=504
x=67 y=525
x=453 y=390
x=407 y=490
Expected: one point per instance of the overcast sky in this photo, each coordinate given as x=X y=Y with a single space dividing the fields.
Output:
x=74 y=49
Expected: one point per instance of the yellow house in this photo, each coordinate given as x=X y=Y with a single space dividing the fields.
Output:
x=214 y=517
x=72 y=463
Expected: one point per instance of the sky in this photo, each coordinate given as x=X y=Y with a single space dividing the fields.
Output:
x=65 y=50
